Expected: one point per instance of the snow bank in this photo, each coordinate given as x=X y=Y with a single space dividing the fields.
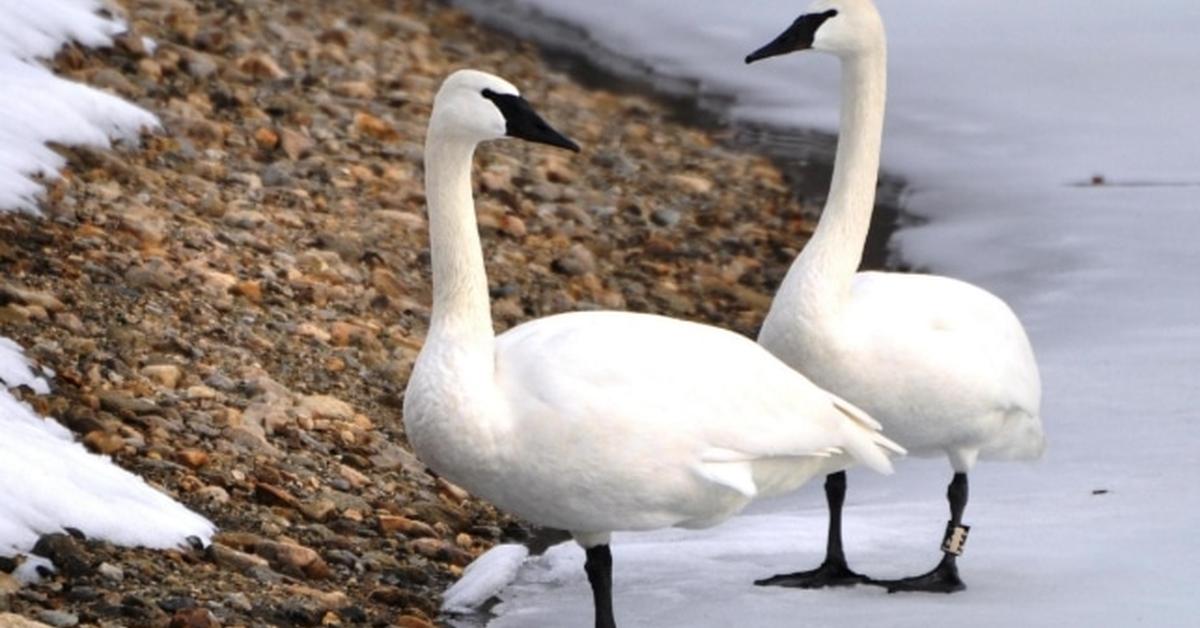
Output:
x=49 y=482
x=37 y=107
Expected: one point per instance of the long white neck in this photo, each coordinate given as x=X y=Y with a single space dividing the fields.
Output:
x=819 y=280
x=461 y=316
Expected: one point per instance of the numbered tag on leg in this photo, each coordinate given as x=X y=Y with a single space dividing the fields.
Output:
x=956 y=538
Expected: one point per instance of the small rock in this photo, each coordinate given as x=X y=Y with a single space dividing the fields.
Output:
x=193 y=458
x=295 y=144
x=377 y=128
x=292 y=559
x=275 y=496
x=391 y=523
x=326 y=407
x=121 y=402
x=318 y=509
x=239 y=601
x=65 y=552
x=577 y=261
x=194 y=618
x=412 y=621
x=327 y=600
x=261 y=65
x=440 y=551
x=213 y=495
x=8 y=584
x=166 y=375
x=266 y=138
x=229 y=558
x=111 y=572
x=58 y=619
x=102 y=442
x=694 y=184
x=666 y=217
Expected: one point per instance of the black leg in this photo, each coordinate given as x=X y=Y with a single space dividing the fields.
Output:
x=943 y=578
x=599 y=572
x=834 y=572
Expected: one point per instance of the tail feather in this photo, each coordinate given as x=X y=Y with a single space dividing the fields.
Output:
x=866 y=442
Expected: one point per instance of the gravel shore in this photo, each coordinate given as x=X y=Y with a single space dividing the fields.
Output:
x=232 y=309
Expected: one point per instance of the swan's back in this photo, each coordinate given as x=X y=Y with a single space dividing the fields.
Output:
x=955 y=325
x=640 y=398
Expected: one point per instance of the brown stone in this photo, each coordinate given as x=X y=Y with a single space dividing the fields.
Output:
x=374 y=127
x=275 y=496
x=102 y=442
x=165 y=375
x=252 y=290
x=194 y=618
x=230 y=558
x=327 y=600
x=389 y=524
x=295 y=144
x=293 y=559
x=440 y=551
x=326 y=407
x=261 y=65
x=266 y=138
x=193 y=458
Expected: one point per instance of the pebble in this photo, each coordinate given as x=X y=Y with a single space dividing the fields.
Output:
x=327 y=407
x=165 y=375
x=293 y=559
x=58 y=619
x=111 y=572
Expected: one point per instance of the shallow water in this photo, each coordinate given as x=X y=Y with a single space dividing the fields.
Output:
x=1000 y=115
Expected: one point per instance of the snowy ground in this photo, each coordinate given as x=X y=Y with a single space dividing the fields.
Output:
x=999 y=114
x=47 y=480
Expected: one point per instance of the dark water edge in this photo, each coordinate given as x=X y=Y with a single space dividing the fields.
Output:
x=805 y=156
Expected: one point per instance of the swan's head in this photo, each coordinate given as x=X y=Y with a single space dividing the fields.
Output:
x=845 y=28
x=476 y=106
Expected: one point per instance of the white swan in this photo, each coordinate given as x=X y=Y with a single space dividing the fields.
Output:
x=944 y=365
x=599 y=421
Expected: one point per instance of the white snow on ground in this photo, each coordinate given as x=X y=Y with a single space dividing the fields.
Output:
x=47 y=480
x=484 y=578
x=997 y=111
x=38 y=107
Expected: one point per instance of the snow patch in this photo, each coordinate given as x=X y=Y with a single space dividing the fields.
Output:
x=484 y=578
x=37 y=107
x=49 y=482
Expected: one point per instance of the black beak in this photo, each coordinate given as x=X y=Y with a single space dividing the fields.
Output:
x=798 y=36
x=525 y=123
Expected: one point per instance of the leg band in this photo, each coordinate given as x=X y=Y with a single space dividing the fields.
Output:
x=955 y=539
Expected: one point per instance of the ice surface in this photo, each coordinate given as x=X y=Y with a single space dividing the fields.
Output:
x=38 y=107
x=999 y=113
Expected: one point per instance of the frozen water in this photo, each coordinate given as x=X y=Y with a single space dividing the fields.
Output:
x=37 y=107
x=1000 y=114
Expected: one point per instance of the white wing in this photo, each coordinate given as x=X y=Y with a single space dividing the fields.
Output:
x=709 y=393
